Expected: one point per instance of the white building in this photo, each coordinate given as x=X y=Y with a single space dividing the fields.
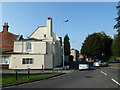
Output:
x=41 y=48
x=75 y=54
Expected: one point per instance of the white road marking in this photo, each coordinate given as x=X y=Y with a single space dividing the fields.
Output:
x=103 y=73
x=115 y=81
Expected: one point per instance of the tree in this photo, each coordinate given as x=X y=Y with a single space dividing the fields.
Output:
x=116 y=46
x=116 y=41
x=97 y=46
x=117 y=26
x=66 y=45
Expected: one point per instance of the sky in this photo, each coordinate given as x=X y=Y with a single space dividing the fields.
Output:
x=84 y=18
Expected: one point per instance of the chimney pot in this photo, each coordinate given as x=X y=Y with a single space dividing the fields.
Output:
x=5 y=24
x=5 y=27
x=49 y=18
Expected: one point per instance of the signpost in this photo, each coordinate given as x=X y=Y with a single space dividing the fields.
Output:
x=16 y=74
x=18 y=70
x=28 y=72
x=42 y=68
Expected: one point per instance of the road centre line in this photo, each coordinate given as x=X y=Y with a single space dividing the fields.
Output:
x=115 y=81
x=111 y=79
x=103 y=73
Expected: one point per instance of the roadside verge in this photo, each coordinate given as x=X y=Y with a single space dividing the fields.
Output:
x=33 y=80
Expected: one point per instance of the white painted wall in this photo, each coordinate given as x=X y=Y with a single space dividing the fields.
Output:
x=73 y=53
x=16 y=61
x=37 y=47
x=39 y=33
x=19 y=46
x=57 y=54
x=48 y=61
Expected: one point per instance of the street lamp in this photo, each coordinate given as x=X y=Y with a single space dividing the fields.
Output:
x=63 y=41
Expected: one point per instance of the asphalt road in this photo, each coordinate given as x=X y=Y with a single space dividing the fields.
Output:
x=103 y=77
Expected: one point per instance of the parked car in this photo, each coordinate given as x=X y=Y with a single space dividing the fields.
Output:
x=96 y=64
x=103 y=63
x=83 y=66
x=100 y=63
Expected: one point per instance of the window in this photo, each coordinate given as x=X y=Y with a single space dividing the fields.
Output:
x=4 y=59
x=28 y=46
x=27 y=61
x=44 y=35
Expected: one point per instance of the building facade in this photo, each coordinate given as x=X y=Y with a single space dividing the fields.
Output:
x=75 y=54
x=41 y=49
x=6 y=45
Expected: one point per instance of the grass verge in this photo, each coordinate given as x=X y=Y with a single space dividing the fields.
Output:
x=114 y=63
x=10 y=78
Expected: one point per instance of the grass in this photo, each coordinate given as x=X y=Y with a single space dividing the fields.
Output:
x=10 y=78
x=114 y=63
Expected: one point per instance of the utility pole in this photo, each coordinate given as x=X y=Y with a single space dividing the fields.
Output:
x=63 y=42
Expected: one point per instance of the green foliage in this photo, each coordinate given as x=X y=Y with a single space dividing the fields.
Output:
x=116 y=46
x=97 y=46
x=66 y=45
x=117 y=26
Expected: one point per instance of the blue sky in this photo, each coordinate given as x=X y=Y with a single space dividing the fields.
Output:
x=84 y=18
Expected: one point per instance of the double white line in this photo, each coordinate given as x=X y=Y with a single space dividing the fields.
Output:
x=111 y=79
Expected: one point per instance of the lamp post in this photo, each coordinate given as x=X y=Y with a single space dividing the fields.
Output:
x=63 y=41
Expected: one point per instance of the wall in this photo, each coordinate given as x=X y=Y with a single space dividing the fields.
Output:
x=73 y=53
x=16 y=61
x=48 y=61
x=55 y=49
x=39 y=33
x=37 y=47
x=57 y=54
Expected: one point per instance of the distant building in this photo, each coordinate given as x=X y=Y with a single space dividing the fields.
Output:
x=75 y=54
x=6 y=45
x=41 y=49
x=81 y=56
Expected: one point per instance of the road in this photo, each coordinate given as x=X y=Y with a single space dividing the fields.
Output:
x=103 y=77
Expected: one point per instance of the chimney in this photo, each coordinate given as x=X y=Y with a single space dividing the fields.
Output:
x=49 y=27
x=5 y=27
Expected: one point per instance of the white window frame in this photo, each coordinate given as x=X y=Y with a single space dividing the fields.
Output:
x=28 y=46
x=27 y=61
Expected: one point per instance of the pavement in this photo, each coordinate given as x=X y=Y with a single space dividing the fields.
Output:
x=55 y=70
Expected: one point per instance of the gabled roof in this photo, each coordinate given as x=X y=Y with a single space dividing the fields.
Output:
x=30 y=39
x=36 y=30
x=7 y=41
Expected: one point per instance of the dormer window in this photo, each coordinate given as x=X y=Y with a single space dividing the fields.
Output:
x=44 y=35
x=28 y=46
